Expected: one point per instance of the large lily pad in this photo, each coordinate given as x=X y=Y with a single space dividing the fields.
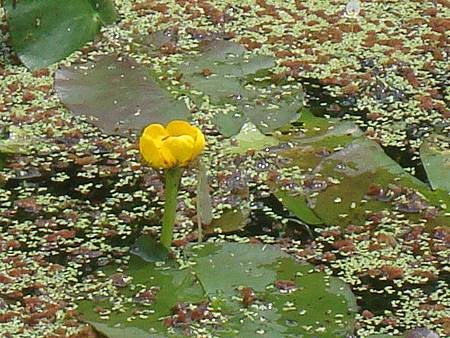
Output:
x=231 y=78
x=436 y=163
x=351 y=177
x=290 y=300
x=119 y=93
x=150 y=295
x=46 y=31
x=368 y=181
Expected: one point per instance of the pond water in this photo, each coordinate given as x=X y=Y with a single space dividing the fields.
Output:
x=326 y=169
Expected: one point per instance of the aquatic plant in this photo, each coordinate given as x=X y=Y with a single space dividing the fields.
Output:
x=325 y=133
x=171 y=148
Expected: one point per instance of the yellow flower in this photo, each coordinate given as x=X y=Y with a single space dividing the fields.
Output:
x=174 y=146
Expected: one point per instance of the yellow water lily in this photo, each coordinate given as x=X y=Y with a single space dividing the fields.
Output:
x=173 y=146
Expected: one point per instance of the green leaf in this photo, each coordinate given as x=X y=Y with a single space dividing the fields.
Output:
x=122 y=332
x=436 y=162
x=119 y=93
x=170 y=286
x=222 y=268
x=149 y=249
x=229 y=124
x=299 y=207
x=46 y=31
x=356 y=167
x=343 y=165
x=251 y=138
x=238 y=81
x=204 y=203
x=230 y=221
x=314 y=304
x=106 y=11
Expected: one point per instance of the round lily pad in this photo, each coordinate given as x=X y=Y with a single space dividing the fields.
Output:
x=250 y=289
x=118 y=93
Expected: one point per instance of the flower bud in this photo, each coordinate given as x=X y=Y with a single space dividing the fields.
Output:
x=173 y=146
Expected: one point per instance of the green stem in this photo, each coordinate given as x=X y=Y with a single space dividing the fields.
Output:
x=172 y=184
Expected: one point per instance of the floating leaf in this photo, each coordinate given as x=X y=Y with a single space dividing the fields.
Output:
x=289 y=298
x=299 y=207
x=152 y=292
x=46 y=31
x=119 y=93
x=230 y=221
x=351 y=177
x=229 y=124
x=362 y=164
x=289 y=301
x=233 y=79
x=149 y=249
x=436 y=162
x=122 y=332
x=251 y=138
x=106 y=11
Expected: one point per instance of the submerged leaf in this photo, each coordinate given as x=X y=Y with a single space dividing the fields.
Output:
x=119 y=93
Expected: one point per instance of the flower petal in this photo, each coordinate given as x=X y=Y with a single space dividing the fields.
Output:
x=157 y=132
x=178 y=128
x=199 y=144
x=150 y=152
x=168 y=159
x=180 y=147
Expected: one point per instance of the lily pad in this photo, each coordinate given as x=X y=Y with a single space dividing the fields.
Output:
x=230 y=221
x=289 y=299
x=229 y=124
x=120 y=94
x=251 y=138
x=347 y=177
x=46 y=31
x=436 y=163
x=231 y=78
x=357 y=170
x=299 y=207
x=149 y=249
x=149 y=296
